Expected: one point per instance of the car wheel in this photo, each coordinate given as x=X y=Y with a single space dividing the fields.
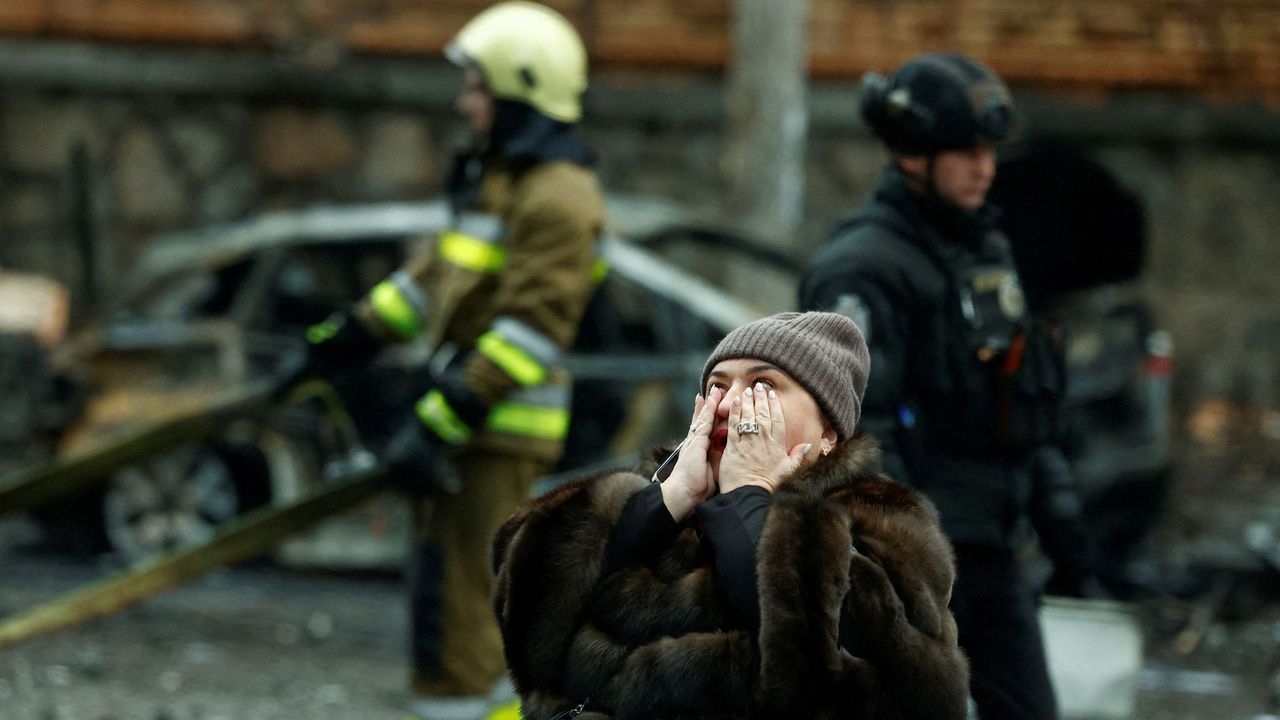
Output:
x=173 y=501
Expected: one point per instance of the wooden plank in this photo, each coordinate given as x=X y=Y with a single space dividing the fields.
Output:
x=246 y=537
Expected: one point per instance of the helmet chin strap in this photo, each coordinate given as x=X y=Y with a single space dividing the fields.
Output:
x=926 y=182
x=930 y=182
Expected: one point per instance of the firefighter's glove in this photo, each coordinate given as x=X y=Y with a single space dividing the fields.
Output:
x=337 y=342
x=444 y=420
x=418 y=462
x=339 y=339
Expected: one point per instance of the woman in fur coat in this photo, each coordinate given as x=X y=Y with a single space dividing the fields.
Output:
x=776 y=573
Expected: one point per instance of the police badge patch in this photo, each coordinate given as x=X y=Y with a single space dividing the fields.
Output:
x=852 y=307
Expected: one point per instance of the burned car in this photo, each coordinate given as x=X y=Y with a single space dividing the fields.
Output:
x=196 y=334
x=34 y=312
x=182 y=336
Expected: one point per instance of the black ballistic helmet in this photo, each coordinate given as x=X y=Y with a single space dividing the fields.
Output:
x=937 y=102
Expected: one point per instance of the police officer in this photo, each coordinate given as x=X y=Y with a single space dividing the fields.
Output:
x=498 y=297
x=966 y=382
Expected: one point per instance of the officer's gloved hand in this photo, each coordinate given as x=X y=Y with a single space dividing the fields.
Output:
x=1056 y=513
x=1069 y=580
x=421 y=451
x=419 y=462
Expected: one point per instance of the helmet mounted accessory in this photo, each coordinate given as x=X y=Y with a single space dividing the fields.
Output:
x=992 y=111
x=937 y=102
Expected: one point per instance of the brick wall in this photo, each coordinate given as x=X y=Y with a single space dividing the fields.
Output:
x=1224 y=49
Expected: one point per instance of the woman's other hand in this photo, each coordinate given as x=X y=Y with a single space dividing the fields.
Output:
x=758 y=458
x=691 y=480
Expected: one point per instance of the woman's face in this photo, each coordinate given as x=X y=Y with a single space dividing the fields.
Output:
x=804 y=420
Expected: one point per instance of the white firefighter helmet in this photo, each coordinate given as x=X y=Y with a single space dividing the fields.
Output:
x=529 y=53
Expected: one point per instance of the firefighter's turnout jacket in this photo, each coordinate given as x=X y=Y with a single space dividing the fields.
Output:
x=498 y=295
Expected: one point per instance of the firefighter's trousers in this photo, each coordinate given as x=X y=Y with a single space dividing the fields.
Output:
x=456 y=645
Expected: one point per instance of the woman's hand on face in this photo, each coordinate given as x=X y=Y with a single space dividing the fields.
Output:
x=758 y=458
x=691 y=480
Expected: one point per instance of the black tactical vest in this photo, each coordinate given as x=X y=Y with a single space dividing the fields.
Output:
x=986 y=377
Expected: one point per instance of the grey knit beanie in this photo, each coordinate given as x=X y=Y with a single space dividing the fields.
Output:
x=823 y=351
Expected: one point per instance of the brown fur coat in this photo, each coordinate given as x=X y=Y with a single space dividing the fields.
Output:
x=844 y=633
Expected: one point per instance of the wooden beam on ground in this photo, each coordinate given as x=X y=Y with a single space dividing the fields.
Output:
x=246 y=537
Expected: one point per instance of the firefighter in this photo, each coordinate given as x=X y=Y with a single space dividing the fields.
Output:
x=498 y=297
x=968 y=381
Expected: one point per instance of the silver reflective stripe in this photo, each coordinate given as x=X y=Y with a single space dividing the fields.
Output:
x=545 y=395
x=440 y=361
x=540 y=347
x=412 y=292
x=486 y=228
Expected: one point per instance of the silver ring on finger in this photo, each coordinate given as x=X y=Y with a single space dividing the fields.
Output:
x=748 y=428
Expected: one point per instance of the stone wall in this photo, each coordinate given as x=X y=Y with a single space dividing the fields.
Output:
x=164 y=164
x=168 y=141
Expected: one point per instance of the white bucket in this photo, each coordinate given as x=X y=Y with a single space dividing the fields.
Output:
x=1095 y=657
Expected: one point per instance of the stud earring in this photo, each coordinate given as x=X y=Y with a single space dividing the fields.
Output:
x=826 y=449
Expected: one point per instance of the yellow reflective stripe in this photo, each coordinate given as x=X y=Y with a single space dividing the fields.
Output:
x=395 y=310
x=545 y=423
x=513 y=360
x=434 y=412
x=541 y=348
x=599 y=269
x=537 y=421
x=323 y=331
x=471 y=253
x=509 y=711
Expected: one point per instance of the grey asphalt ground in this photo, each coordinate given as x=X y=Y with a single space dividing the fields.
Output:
x=247 y=644
x=266 y=643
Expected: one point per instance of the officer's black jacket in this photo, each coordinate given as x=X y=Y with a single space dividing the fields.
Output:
x=935 y=290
